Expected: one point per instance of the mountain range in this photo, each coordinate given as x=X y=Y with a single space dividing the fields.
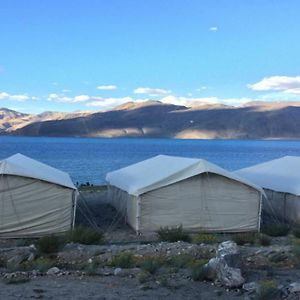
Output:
x=254 y=120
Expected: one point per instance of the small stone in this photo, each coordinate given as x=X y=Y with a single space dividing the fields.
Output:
x=53 y=271
x=294 y=287
x=250 y=287
x=117 y=271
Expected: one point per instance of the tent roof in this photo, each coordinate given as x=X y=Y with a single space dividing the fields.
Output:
x=280 y=175
x=163 y=170
x=21 y=165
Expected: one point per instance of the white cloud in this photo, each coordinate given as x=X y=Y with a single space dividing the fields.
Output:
x=286 y=84
x=213 y=28
x=66 y=91
x=61 y=98
x=81 y=98
x=191 y=102
x=106 y=103
x=20 y=97
x=187 y=101
x=202 y=88
x=106 y=87
x=151 y=91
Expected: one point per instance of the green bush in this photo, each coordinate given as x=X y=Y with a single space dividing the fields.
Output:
x=198 y=271
x=123 y=260
x=163 y=280
x=49 y=244
x=151 y=264
x=263 y=239
x=244 y=238
x=267 y=290
x=3 y=262
x=181 y=261
x=296 y=251
x=41 y=264
x=205 y=238
x=277 y=230
x=296 y=231
x=91 y=267
x=144 y=277
x=85 y=235
x=173 y=234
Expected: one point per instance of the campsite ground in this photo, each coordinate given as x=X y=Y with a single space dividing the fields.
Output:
x=87 y=287
x=120 y=268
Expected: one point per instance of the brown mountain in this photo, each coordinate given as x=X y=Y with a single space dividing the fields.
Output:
x=155 y=119
x=11 y=120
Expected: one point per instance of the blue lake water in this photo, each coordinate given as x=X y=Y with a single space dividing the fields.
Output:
x=89 y=159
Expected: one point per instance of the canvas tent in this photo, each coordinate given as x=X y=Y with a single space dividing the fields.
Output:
x=35 y=199
x=171 y=191
x=280 y=179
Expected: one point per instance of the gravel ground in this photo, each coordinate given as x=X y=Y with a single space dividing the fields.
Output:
x=83 y=288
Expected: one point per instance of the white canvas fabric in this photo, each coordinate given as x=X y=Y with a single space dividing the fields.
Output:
x=280 y=175
x=172 y=191
x=163 y=170
x=33 y=208
x=206 y=202
x=20 y=165
x=35 y=199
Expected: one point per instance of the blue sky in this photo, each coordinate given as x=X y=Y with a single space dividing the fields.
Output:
x=68 y=55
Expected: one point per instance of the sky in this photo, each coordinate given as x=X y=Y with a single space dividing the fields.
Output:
x=70 y=55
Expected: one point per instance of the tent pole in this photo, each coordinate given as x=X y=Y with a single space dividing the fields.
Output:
x=138 y=213
x=259 y=211
x=75 y=194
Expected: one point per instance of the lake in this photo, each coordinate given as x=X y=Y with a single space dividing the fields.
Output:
x=89 y=159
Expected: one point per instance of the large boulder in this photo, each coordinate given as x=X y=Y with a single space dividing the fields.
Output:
x=228 y=276
x=229 y=252
x=225 y=267
x=16 y=255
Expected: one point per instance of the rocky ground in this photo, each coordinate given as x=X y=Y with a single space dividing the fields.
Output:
x=131 y=267
x=87 y=272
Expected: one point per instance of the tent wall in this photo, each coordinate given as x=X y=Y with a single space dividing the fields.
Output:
x=32 y=208
x=205 y=202
x=125 y=204
x=282 y=206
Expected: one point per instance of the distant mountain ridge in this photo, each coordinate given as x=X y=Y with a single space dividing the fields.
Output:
x=258 y=120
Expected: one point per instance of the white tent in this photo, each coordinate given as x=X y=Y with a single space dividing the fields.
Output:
x=170 y=191
x=35 y=199
x=281 y=180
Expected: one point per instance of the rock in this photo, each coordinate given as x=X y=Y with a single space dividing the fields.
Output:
x=225 y=266
x=16 y=255
x=229 y=252
x=16 y=277
x=294 y=287
x=230 y=277
x=227 y=247
x=210 y=268
x=53 y=271
x=277 y=257
x=251 y=287
x=117 y=271
x=145 y=287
